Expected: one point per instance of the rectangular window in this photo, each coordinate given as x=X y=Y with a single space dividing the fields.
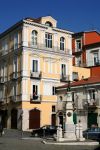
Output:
x=78 y=61
x=35 y=89
x=35 y=66
x=14 y=90
x=15 y=66
x=4 y=46
x=91 y=94
x=78 y=45
x=12 y=41
x=53 y=108
x=63 y=70
x=96 y=59
x=16 y=41
x=73 y=95
x=53 y=90
x=48 y=40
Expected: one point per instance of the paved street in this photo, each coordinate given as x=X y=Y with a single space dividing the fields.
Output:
x=16 y=143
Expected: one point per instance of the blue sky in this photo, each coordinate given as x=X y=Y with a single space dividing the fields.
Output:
x=73 y=15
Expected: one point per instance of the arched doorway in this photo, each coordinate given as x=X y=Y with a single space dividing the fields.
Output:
x=34 y=119
x=14 y=119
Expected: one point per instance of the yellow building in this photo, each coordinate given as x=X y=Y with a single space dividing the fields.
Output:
x=80 y=73
x=35 y=57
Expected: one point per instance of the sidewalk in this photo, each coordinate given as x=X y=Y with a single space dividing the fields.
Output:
x=86 y=142
x=15 y=133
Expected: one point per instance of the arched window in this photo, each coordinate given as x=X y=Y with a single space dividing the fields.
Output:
x=49 y=24
x=62 y=43
x=34 y=37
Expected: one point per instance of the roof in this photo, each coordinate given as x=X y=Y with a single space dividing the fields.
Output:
x=92 y=45
x=90 y=80
x=28 y=19
x=81 y=33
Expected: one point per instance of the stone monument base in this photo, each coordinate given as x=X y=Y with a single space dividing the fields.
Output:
x=69 y=133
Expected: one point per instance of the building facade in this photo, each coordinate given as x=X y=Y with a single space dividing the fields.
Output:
x=86 y=49
x=35 y=57
x=86 y=101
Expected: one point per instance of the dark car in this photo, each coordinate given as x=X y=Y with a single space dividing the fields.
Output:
x=92 y=133
x=45 y=131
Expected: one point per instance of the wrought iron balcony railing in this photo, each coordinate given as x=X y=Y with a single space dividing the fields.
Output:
x=53 y=48
x=65 y=78
x=77 y=51
x=90 y=103
x=35 y=98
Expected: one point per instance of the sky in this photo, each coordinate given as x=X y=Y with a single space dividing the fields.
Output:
x=72 y=15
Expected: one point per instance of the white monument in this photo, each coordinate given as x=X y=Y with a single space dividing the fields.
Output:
x=69 y=133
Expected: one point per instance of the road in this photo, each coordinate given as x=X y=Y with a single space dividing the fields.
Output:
x=16 y=143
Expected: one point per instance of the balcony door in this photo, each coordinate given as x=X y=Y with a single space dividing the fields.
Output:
x=96 y=58
x=35 y=66
x=63 y=70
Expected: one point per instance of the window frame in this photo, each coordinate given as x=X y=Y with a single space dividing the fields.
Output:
x=34 y=38
x=62 y=43
x=48 y=40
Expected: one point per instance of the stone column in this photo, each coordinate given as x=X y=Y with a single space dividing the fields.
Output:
x=25 y=36
x=69 y=133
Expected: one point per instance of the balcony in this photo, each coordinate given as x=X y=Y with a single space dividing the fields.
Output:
x=76 y=51
x=35 y=99
x=93 y=63
x=36 y=75
x=53 y=49
x=64 y=78
x=1 y=80
x=13 y=76
x=90 y=104
x=80 y=64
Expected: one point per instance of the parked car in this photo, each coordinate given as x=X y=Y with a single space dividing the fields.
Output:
x=92 y=133
x=45 y=131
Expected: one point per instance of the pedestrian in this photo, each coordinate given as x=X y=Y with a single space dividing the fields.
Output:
x=1 y=128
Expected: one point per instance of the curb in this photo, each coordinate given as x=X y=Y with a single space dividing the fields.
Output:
x=72 y=143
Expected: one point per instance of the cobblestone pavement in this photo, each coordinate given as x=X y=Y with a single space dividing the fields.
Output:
x=14 y=141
